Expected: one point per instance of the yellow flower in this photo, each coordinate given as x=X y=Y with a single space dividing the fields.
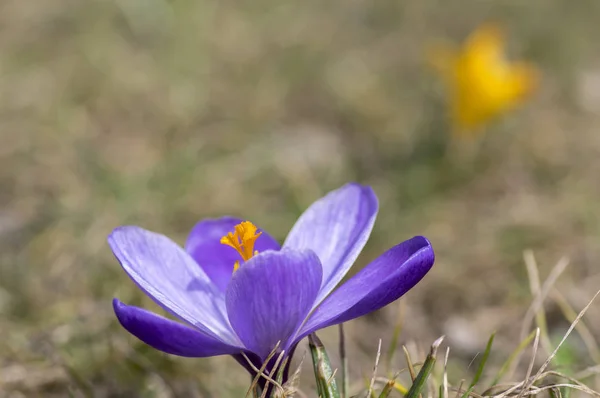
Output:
x=482 y=84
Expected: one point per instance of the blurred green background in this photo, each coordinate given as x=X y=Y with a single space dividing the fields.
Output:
x=160 y=113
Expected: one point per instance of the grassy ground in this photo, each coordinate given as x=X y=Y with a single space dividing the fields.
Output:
x=160 y=113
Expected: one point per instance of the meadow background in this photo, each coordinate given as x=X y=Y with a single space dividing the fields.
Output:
x=160 y=113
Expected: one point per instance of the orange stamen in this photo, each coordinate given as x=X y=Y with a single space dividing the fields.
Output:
x=242 y=240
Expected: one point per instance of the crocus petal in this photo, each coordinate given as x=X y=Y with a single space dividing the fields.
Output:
x=169 y=336
x=215 y=258
x=168 y=275
x=336 y=227
x=270 y=295
x=384 y=280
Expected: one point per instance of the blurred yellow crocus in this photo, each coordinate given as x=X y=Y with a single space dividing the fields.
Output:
x=482 y=84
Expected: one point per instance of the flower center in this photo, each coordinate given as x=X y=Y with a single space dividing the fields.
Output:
x=242 y=239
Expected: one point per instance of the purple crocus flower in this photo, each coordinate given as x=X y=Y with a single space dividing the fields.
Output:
x=237 y=290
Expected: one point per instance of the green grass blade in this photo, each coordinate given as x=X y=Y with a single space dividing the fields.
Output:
x=486 y=354
x=280 y=370
x=324 y=374
x=387 y=389
x=421 y=379
x=526 y=341
x=395 y=337
x=344 y=360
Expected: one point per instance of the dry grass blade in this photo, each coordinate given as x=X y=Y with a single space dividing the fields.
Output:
x=409 y=364
x=472 y=394
x=585 y=389
x=585 y=334
x=281 y=370
x=540 y=293
x=527 y=382
x=554 y=373
x=511 y=390
x=374 y=375
x=555 y=393
x=526 y=387
x=579 y=316
x=276 y=383
x=459 y=389
x=261 y=372
x=332 y=378
x=445 y=377
x=513 y=359
x=291 y=386
x=588 y=372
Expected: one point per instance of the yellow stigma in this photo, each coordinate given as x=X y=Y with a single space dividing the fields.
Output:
x=242 y=239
